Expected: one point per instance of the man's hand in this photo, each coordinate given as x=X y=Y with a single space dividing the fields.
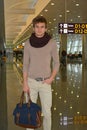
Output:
x=48 y=81
x=26 y=88
x=25 y=83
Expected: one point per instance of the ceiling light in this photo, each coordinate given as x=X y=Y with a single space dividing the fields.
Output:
x=31 y=25
x=49 y=22
x=48 y=30
x=70 y=107
x=54 y=108
x=60 y=114
x=71 y=92
x=78 y=112
x=23 y=44
x=41 y=15
x=55 y=27
x=45 y=10
x=52 y=90
x=77 y=96
x=79 y=16
x=77 y=4
x=60 y=15
x=60 y=97
x=52 y=4
x=73 y=85
x=17 y=65
x=71 y=20
x=54 y=19
x=64 y=101
x=56 y=93
x=67 y=11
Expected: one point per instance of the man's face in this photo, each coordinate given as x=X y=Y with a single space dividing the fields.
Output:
x=40 y=29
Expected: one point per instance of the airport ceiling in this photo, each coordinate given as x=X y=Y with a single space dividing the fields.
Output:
x=19 y=15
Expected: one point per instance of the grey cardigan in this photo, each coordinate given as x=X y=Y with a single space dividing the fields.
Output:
x=37 y=61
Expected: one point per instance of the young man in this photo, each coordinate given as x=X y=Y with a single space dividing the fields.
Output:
x=37 y=75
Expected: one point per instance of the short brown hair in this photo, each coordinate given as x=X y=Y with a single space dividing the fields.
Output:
x=39 y=19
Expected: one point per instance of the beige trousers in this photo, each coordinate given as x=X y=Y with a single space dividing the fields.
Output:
x=45 y=94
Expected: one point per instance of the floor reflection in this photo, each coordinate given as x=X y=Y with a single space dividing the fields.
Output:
x=69 y=91
x=69 y=99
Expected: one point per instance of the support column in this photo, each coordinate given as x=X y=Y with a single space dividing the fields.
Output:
x=84 y=59
x=3 y=92
x=84 y=41
x=63 y=48
x=63 y=42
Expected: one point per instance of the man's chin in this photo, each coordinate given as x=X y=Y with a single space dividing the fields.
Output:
x=40 y=34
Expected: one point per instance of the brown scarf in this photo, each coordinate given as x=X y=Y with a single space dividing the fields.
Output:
x=39 y=42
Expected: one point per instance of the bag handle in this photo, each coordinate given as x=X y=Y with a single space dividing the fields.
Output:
x=22 y=98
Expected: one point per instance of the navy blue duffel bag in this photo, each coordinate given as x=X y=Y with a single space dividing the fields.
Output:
x=27 y=115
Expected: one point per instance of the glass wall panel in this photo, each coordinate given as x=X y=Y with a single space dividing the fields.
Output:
x=74 y=44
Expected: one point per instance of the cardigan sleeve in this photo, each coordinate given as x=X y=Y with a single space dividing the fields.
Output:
x=55 y=56
x=26 y=57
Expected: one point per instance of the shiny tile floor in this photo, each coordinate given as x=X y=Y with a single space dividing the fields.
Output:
x=69 y=110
